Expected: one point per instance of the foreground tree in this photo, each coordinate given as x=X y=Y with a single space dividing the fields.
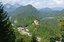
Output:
x=6 y=30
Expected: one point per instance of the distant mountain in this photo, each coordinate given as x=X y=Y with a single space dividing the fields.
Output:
x=46 y=10
x=61 y=13
x=57 y=8
x=9 y=7
x=25 y=14
x=29 y=9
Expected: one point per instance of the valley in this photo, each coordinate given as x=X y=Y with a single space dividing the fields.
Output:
x=47 y=19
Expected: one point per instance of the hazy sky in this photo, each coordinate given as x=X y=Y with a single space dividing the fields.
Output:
x=37 y=3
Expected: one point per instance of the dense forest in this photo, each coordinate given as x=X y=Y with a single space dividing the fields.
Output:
x=31 y=26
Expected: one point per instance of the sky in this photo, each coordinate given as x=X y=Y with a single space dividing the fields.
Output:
x=37 y=3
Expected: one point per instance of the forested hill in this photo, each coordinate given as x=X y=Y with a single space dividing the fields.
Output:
x=25 y=14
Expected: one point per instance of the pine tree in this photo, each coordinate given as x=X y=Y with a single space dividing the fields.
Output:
x=6 y=30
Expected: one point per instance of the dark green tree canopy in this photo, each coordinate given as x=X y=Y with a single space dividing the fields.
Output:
x=6 y=30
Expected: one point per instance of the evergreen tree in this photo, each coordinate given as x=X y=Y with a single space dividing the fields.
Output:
x=6 y=30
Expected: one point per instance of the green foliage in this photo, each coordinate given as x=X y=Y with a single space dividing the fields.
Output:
x=52 y=39
x=61 y=36
x=34 y=38
x=24 y=20
x=21 y=37
x=48 y=29
x=6 y=30
x=61 y=24
x=18 y=36
x=25 y=17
